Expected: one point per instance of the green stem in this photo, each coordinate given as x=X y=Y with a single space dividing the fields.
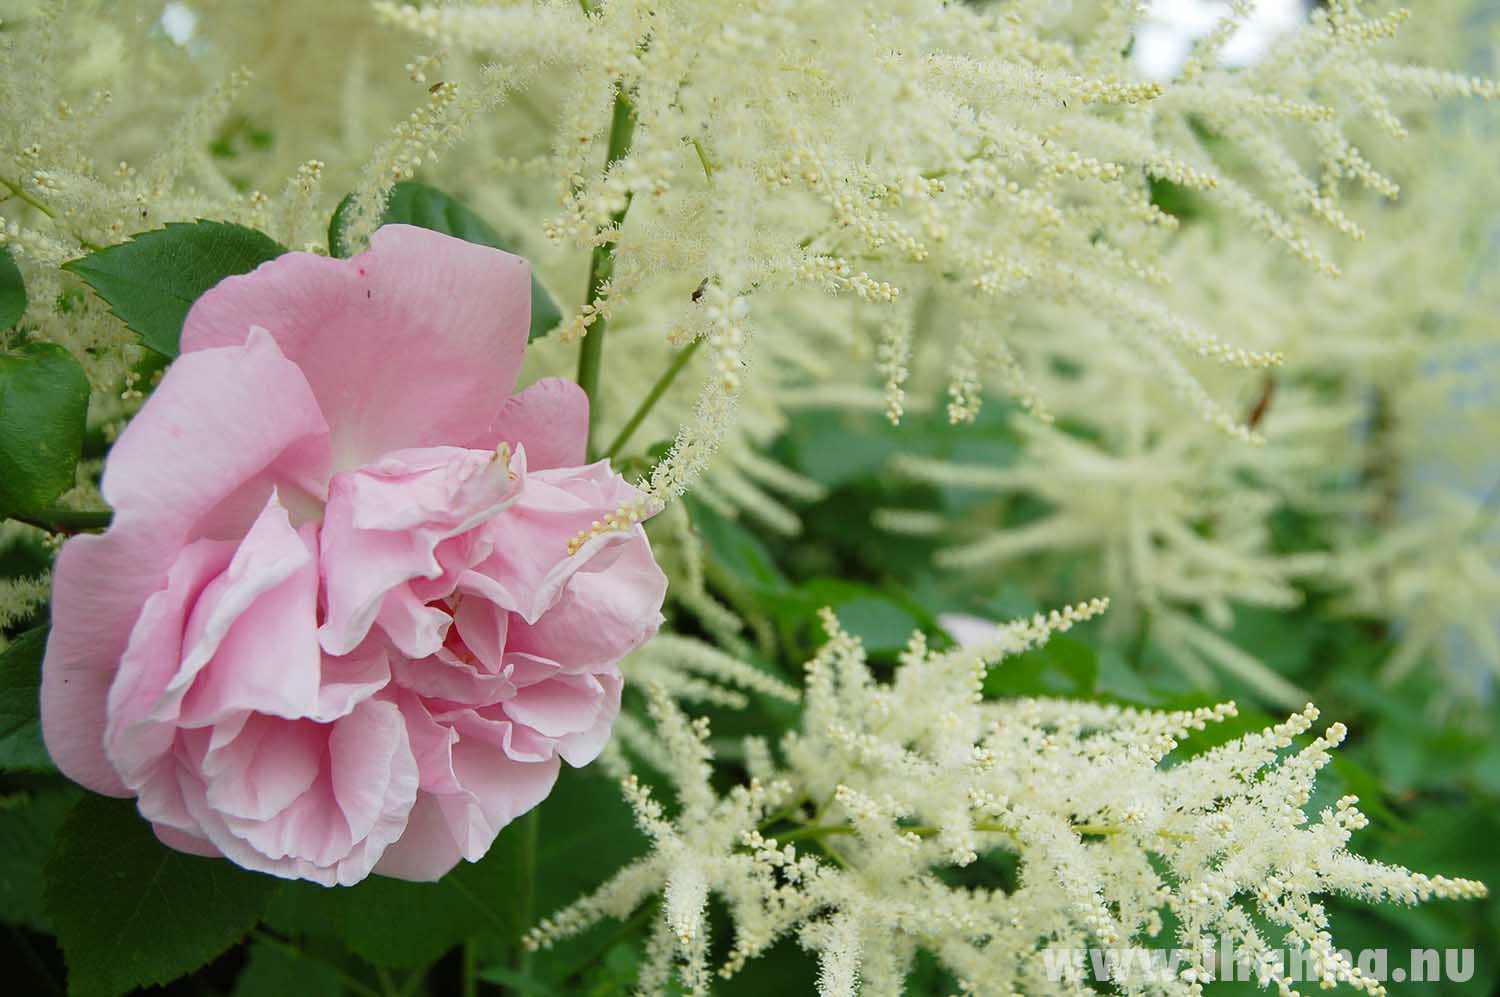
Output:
x=470 y=982
x=387 y=985
x=18 y=191
x=602 y=267
x=69 y=521
x=708 y=166
x=531 y=826
x=1142 y=638
x=652 y=397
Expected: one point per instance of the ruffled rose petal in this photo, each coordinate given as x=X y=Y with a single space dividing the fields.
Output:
x=251 y=642
x=413 y=343
x=500 y=790
x=609 y=607
x=563 y=705
x=185 y=842
x=223 y=425
x=263 y=767
x=382 y=529
x=335 y=831
x=530 y=563
x=133 y=741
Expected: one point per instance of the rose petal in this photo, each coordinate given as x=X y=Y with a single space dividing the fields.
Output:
x=413 y=343
x=134 y=742
x=499 y=789
x=336 y=831
x=567 y=704
x=608 y=609
x=426 y=851
x=530 y=563
x=222 y=423
x=251 y=641
x=382 y=529
x=551 y=420
x=583 y=747
x=268 y=764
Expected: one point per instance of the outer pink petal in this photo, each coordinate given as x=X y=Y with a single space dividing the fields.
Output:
x=563 y=705
x=580 y=748
x=133 y=741
x=184 y=842
x=336 y=831
x=498 y=790
x=222 y=423
x=414 y=343
x=223 y=426
x=426 y=851
x=551 y=420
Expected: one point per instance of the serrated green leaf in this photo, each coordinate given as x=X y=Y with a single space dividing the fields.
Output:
x=44 y=400
x=427 y=207
x=130 y=912
x=12 y=291
x=21 y=748
x=151 y=281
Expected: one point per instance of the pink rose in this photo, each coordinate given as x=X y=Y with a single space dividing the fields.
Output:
x=356 y=602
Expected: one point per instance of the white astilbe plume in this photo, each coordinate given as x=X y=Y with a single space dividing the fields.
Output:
x=1013 y=163
x=693 y=671
x=1155 y=509
x=840 y=844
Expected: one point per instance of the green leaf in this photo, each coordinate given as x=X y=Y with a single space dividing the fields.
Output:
x=275 y=971
x=884 y=621
x=27 y=830
x=21 y=746
x=1064 y=666
x=390 y=922
x=129 y=911
x=44 y=400
x=12 y=291
x=151 y=281
x=585 y=833
x=427 y=207
x=735 y=551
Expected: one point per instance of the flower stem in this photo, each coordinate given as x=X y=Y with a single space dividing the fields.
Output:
x=18 y=191
x=469 y=983
x=602 y=266
x=530 y=828
x=652 y=397
x=69 y=521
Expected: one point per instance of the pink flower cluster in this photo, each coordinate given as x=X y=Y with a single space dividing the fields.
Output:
x=353 y=608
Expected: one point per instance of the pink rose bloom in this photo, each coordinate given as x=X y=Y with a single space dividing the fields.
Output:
x=356 y=601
